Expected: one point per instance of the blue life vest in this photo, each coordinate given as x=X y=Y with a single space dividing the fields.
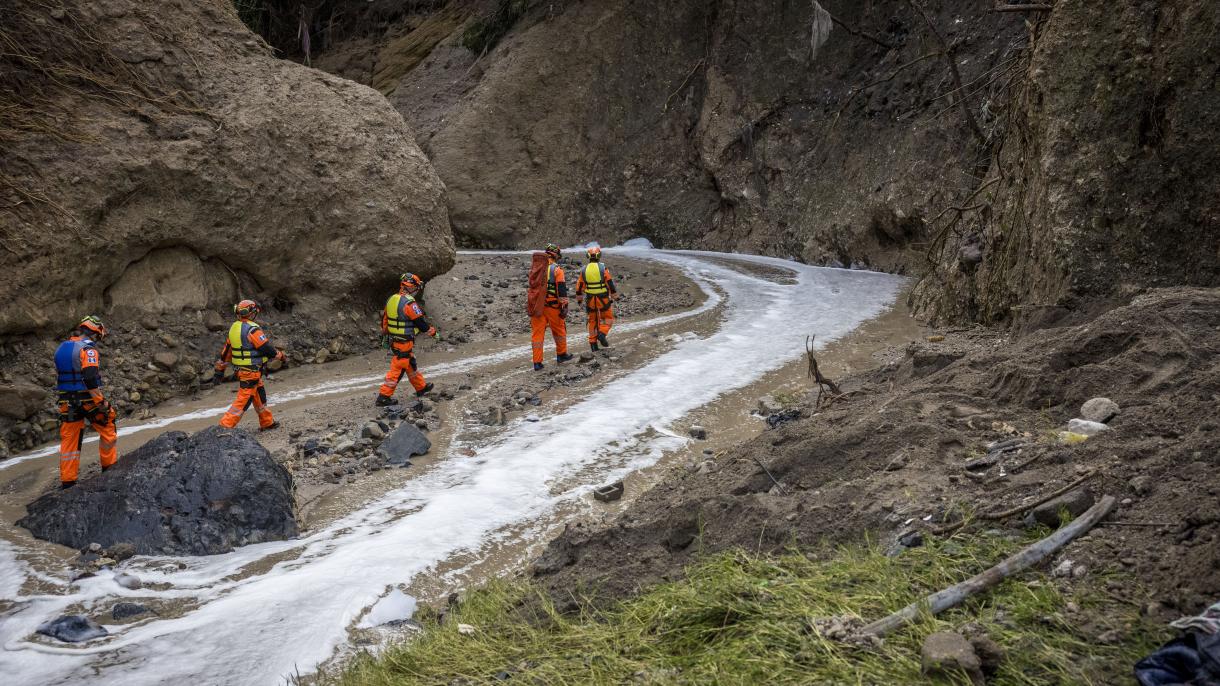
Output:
x=67 y=365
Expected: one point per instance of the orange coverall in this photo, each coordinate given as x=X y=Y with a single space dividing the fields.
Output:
x=599 y=307
x=409 y=317
x=246 y=348
x=553 y=316
x=75 y=406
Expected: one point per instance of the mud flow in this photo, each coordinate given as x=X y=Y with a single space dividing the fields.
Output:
x=515 y=457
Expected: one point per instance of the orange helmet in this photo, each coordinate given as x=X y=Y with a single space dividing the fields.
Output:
x=246 y=309
x=594 y=252
x=410 y=283
x=553 y=250
x=92 y=325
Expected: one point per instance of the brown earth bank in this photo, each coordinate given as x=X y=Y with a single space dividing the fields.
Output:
x=906 y=448
x=1025 y=162
x=161 y=161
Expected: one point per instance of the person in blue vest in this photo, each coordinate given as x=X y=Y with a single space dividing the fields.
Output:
x=79 y=387
x=247 y=348
x=401 y=320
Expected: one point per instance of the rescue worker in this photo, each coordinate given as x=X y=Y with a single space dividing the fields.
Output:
x=401 y=320
x=79 y=386
x=596 y=287
x=247 y=348
x=555 y=312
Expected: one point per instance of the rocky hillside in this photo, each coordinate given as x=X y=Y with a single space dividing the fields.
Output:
x=164 y=160
x=1020 y=158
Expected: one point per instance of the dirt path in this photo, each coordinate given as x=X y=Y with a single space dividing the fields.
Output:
x=489 y=494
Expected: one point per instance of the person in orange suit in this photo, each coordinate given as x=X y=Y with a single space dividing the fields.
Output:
x=247 y=348
x=554 y=314
x=596 y=287
x=401 y=320
x=79 y=387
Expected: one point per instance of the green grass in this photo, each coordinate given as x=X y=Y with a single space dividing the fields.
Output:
x=742 y=619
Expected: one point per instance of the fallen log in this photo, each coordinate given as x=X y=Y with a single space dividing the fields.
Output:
x=957 y=594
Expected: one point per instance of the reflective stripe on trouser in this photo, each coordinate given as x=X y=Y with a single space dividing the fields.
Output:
x=559 y=331
x=250 y=391
x=72 y=434
x=601 y=316
x=402 y=365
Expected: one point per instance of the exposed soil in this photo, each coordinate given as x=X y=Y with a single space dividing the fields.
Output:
x=890 y=456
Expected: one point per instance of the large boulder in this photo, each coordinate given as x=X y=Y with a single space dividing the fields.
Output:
x=183 y=164
x=21 y=400
x=179 y=494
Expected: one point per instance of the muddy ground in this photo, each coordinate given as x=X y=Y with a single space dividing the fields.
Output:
x=154 y=358
x=891 y=455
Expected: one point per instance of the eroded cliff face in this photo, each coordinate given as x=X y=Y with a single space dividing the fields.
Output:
x=160 y=159
x=1108 y=180
x=768 y=127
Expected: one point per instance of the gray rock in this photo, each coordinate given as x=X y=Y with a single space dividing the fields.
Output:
x=1142 y=485
x=121 y=551
x=165 y=359
x=532 y=418
x=122 y=611
x=201 y=494
x=947 y=654
x=128 y=581
x=345 y=446
x=586 y=357
x=213 y=321
x=1075 y=502
x=698 y=432
x=1099 y=410
x=898 y=461
x=372 y=430
x=990 y=653
x=19 y=401
x=1086 y=427
x=72 y=629
x=404 y=443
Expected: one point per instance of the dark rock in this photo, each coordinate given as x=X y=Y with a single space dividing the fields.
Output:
x=911 y=539
x=948 y=654
x=122 y=611
x=698 y=433
x=991 y=655
x=783 y=417
x=1075 y=502
x=72 y=628
x=121 y=551
x=404 y=443
x=177 y=494
x=1142 y=485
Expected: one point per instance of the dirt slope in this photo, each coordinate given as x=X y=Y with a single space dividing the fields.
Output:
x=892 y=456
x=160 y=161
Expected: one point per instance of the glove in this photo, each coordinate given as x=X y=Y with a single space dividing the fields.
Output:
x=279 y=355
x=218 y=377
x=436 y=335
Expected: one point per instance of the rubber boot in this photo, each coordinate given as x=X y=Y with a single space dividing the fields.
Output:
x=66 y=484
x=105 y=467
x=383 y=400
x=601 y=338
x=593 y=347
x=563 y=358
x=274 y=425
x=537 y=366
x=427 y=387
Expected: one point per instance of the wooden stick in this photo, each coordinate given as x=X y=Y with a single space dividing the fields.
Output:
x=957 y=594
x=1005 y=514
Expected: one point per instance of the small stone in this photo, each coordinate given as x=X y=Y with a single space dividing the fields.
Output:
x=372 y=430
x=768 y=405
x=586 y=357
x=1100 y=410
x=698 y=432
x=121 y=551
x=1063 y=569
x=465 y=629
x=72 y=629
x=935 y=339
x=948 y=654
x=106 y=562
x=1075 y=502
x=532 y=418
x=1142 y=485
x=95 y=547
x=1086 y=427
x=128 y=581
x=165 y=359
x=898 y=461
x=990 y=653
x=122 y=611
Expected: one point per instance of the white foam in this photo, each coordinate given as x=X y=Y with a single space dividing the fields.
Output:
x=257 y=629
x=393 y=606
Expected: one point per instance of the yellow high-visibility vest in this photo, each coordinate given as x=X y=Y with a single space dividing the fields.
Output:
x=398 y=324
x=595 y=279
x=244 y=354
